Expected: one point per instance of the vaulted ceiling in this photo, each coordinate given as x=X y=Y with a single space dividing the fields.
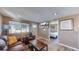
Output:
x=38 y=14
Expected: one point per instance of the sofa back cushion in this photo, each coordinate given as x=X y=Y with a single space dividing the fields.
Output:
x=11 y=40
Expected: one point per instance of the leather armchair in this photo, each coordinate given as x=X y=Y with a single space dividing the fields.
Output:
x=28 y=37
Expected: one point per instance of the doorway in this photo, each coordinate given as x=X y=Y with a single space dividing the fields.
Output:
x=53 y=31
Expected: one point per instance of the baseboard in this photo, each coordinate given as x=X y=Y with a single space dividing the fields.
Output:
x=68 y=46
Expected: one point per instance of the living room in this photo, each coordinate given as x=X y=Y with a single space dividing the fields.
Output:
x=39 y=29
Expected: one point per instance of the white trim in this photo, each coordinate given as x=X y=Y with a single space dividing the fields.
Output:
x=69 y=47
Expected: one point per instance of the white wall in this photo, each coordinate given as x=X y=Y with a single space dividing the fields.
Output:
x=34 y=28
x=70 y=37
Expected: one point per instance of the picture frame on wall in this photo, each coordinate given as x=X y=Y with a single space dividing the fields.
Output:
x=53 y=27
x=66 y=24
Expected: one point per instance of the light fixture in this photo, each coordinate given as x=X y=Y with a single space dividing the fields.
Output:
x=44 y=24
x=55 y=13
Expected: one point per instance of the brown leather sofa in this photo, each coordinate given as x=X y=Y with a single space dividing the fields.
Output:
x=19 y=44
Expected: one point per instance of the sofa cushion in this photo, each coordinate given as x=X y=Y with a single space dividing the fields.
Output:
x=12 y=40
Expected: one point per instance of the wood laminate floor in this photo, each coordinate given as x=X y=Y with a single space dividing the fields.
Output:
x=53 y=46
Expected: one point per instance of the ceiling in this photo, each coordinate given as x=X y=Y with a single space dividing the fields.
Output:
x=38 y=14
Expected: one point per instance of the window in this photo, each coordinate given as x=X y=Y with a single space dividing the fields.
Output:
x=25 y=27
x=17 y=27
x=66 y=24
